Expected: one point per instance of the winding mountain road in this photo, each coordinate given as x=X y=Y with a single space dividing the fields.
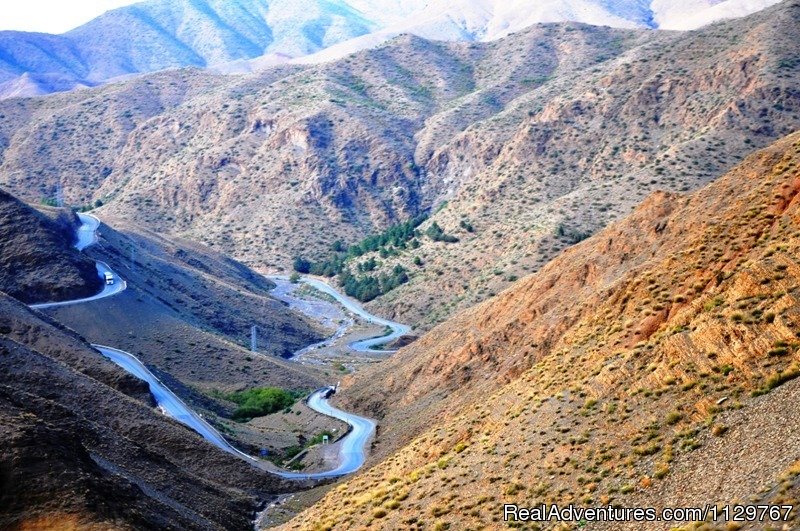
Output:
x=364 y=345
x=87 y=235
x=109 y=290
x=87 y=232
x=352 y=448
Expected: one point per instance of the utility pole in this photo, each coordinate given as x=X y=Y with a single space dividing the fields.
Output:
x=254 y=339
x=59 y=195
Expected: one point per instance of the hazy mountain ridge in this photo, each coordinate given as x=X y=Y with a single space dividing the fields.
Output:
x=243 y=36
x=332 y=144
x=173 y=34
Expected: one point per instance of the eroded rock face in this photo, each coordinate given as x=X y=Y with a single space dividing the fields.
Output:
x=566 y=159
x=536 y=141
x=257 y=165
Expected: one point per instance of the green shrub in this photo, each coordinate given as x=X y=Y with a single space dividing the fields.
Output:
x=437 y=234
x=301 y=265
x=261 y=402
x=317 y=439
x=778 y=378
x=650 y=449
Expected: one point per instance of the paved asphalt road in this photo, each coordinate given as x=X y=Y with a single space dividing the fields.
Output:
x=87 y=235
x=352 y=448
x=364 y=345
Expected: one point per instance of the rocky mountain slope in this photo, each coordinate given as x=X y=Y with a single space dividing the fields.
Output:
x=37 y=260
x=82 y=446
x=655 y=363
x=255 y=165
x=563 y=160
x=227 y=34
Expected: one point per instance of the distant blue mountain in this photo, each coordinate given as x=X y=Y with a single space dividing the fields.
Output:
x=160 y=34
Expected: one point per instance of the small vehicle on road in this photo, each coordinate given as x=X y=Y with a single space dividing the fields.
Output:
x=109 y=278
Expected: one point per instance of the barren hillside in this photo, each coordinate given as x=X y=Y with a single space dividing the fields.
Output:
x=649 y=356
x=562 y=161
x=254 y=165
x=37 y=260
x=82 y=445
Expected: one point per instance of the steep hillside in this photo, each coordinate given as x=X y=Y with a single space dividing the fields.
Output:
x=561 y=161
x=82 y=446
x=200 y=286
x=653 y=364
x=37 y=260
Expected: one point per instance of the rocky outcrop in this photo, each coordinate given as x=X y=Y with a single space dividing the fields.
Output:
x=38 y=262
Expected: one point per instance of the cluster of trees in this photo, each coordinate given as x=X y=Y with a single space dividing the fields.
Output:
x=367 y=266
x=386 y=243
x=390 y=242
x=571 y=235
x=397 y=236
x=366 y=287
x=437 y=234
x=327 y=268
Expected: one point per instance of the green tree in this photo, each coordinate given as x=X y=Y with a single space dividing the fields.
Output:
x=301 y=265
